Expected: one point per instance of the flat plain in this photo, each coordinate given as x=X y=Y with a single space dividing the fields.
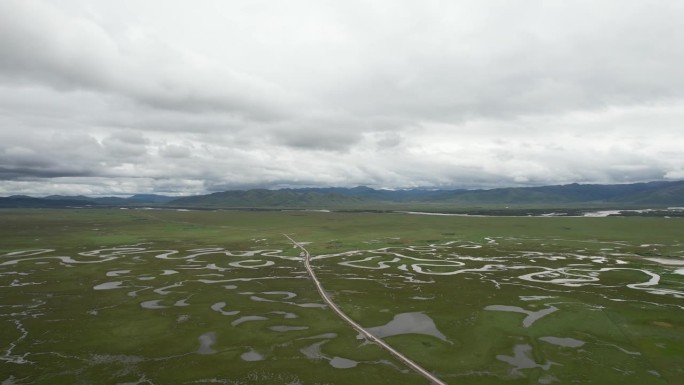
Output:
x=137 y=296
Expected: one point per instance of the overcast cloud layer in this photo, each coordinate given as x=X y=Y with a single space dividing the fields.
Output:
x=181 y=97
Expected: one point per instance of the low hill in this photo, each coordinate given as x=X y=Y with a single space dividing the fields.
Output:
x=669 y=194
x=117 y=201
x=269 y=199
x=383 y=195
x=22 y=201
x=652 y=193
x=60 y=201
x=150 y=198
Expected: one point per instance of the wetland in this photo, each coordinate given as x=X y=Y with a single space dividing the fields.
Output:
x=199 y=297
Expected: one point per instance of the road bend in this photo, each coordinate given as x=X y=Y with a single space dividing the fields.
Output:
x=407 y=361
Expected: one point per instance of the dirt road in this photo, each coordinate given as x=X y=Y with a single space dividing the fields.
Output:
x=407 y=361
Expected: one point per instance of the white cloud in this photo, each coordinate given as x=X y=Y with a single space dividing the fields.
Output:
x=121 y=97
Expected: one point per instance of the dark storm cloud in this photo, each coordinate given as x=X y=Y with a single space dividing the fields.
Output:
x=37 y=173
x=60 y=155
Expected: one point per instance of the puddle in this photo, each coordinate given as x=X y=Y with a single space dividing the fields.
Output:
x=153 y=304
x=109 y=286
x=666 y=261
x=319 y=305
x=313 y=351
x=252 y=355
x=17 y=283
x=284 y=328
x=181 y=303
x=407 y=323
x=532 y=316
x=206 y=340
x=116 y=273
x=286 y=314
x=521 y=359
x=259 y=299
x=535 y=297
x=251 y=264
x=342 y=363
x=163 y=291
x=218 y=307
x=564 y=342
x=286 y=294
x=134 y=293
x=247 y=319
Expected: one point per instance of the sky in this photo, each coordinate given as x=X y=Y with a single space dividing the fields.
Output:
x=188 y=97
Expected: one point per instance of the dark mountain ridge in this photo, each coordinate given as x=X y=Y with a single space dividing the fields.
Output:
x=657 y=194
x=649 y=194
x=268 y=198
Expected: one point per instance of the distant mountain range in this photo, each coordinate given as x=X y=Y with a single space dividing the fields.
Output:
x=651 y=194
x=81 y=201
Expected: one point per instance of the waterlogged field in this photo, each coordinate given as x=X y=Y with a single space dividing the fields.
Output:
x=191 y=297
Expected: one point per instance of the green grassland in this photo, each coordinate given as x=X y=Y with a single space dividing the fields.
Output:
x=157 y=297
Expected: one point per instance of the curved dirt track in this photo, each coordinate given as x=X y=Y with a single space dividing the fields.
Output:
x=407 y=361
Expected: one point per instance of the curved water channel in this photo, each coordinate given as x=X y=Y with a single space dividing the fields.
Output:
x=615 y=274
x=398 y=355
